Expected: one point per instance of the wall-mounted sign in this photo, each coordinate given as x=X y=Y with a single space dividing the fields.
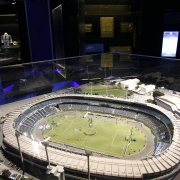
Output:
x=108 y=10
x=107 y=27
x=89 y=27
x=126 y=26
x=94 y=48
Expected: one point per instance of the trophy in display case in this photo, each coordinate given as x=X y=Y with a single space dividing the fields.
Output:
x=6 y=39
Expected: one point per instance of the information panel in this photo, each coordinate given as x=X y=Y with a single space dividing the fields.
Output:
x=94 y=48
x=169 y=45
x=109 y=10
x=89 y=27
x=126 y=26
x=107 y=27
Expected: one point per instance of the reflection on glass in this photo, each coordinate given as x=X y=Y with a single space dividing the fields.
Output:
x=28 y=80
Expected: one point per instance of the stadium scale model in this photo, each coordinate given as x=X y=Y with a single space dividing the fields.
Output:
x=162 y=163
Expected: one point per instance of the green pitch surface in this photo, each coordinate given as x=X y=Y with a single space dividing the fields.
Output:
x=101 y=90
x=104 y=136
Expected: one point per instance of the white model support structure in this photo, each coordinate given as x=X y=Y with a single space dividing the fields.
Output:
x=6 y=39
x=147 y=88
x=130 y=83
x=56 y=173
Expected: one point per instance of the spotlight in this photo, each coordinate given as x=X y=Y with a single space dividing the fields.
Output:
x=14 y=2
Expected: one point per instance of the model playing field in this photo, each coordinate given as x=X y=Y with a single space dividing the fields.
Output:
x=101 y=133
x=104 y=90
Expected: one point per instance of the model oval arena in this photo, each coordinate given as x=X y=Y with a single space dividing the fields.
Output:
x=156 y=162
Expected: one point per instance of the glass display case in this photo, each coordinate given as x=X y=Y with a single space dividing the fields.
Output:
x=10 y=40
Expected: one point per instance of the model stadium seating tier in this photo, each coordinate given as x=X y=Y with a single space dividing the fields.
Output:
x=158 y=119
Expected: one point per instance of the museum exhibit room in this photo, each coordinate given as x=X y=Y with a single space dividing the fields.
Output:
x=90 y=89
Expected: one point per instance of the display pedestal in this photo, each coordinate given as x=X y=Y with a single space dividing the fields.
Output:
x=9 y=55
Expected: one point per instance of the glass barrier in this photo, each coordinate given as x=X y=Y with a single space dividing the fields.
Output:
x=114 y=75
x=23 y=81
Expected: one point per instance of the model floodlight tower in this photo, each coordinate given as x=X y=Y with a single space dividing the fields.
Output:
x=91 y=83
x=45 y=143
x=54 y=172
x=88 y=153
x=17 y=134
x=106 y=83
x=126 y=87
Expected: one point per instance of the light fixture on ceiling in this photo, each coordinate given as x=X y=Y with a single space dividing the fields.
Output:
x=14 y=2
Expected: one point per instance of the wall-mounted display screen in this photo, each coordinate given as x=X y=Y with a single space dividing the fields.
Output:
x=169 y=45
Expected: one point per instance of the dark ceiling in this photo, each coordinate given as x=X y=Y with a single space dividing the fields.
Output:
x=2 y=2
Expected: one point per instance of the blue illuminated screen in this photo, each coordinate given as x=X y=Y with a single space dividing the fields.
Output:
x=169 y=45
